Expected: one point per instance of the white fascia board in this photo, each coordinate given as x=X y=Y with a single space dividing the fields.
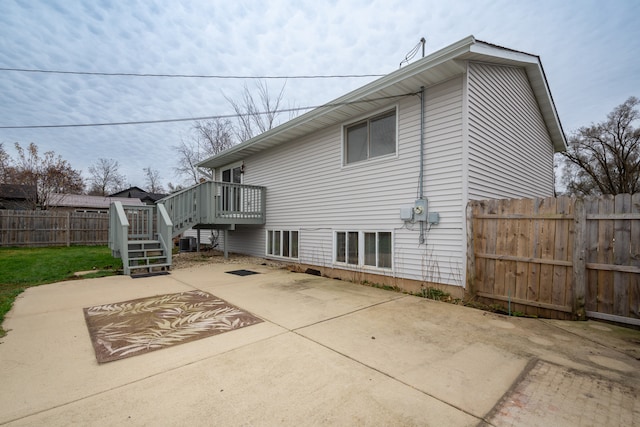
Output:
x=521 y=58
x=550 y=113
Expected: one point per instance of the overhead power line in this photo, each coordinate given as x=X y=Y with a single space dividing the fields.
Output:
x=189 y=119
x=192 y=76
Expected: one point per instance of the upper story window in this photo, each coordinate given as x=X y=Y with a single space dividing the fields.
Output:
x=373 y=137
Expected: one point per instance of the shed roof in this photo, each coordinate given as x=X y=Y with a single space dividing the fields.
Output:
x=428 y=71
x=91 y=202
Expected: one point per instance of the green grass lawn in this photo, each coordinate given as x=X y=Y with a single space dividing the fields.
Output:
x=21 y=268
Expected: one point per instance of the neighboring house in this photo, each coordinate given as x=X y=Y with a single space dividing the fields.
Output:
x=138 y=193
x=89 y=204
x=374 y=185
x=18 y=196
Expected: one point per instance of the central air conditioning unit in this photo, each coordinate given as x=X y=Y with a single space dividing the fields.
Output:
x=188 y=244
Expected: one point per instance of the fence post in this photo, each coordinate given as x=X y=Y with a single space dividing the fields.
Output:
x=579 y=261
x=68 y=229
x=471 y=257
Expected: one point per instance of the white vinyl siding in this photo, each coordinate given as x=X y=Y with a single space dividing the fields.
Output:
x=309 y=189
x=510 y=150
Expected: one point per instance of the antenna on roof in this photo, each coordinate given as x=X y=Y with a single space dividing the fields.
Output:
x=413 y=52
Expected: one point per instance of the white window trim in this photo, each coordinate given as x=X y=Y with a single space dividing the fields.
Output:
x=368 y=161
x=281 y=230
x=361 y=264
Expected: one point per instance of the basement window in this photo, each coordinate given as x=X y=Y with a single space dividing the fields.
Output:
x=377 y=249
x=364 y=248
x=373 y=137
x=283 y=243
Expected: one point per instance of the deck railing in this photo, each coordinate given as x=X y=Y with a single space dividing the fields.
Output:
x=216 y=203
x=141 y=222
x=130 y=223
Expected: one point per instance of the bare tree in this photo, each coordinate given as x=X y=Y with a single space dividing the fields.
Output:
x=208 y=138
x=153 y=181
x=5 y=165
x=173 y=188
x=604 y=158
x=48 y=173
x=256 y=114
x=256 y=111
x=105 y=177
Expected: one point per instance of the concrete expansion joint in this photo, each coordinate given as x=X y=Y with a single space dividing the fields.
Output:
x=328 y=319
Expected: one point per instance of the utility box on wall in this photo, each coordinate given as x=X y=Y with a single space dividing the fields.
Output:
x=433 y=218
x=420 y=210
x=406 y=213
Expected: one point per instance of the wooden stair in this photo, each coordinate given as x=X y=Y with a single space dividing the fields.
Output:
x=146 y=256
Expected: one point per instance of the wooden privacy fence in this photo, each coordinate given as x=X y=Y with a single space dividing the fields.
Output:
x=53 y=228
x=557 y=257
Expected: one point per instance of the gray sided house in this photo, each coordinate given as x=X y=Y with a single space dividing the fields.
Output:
x=376 y=182
x=138 y=193
x=18 y=197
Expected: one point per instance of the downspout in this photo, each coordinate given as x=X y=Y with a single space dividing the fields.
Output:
x=420 y=184
x=421 y=178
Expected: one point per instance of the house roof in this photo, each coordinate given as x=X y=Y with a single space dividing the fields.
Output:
x=91 y=202
x=18 y=191
x=430 y=70
x=138 y=193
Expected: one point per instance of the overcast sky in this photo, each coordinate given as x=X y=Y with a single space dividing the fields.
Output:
x=590 y=51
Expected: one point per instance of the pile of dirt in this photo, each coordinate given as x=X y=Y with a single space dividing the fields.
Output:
x=194 y=259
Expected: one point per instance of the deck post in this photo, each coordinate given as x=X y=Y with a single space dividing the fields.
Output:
x=226 y=252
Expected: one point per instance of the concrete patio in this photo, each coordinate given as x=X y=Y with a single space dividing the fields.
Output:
x=329 y=352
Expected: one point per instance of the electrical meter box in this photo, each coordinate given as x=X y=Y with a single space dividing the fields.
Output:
x=420 y=210
x=406 y=213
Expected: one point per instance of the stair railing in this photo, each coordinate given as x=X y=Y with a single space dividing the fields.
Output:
x=182 y=208
x=119 y=234
x=165 y=228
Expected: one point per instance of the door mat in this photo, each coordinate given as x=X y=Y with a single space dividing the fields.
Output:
x=242 y=272
x=130 y=328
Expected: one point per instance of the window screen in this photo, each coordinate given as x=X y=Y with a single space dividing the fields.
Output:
x=373 y=137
